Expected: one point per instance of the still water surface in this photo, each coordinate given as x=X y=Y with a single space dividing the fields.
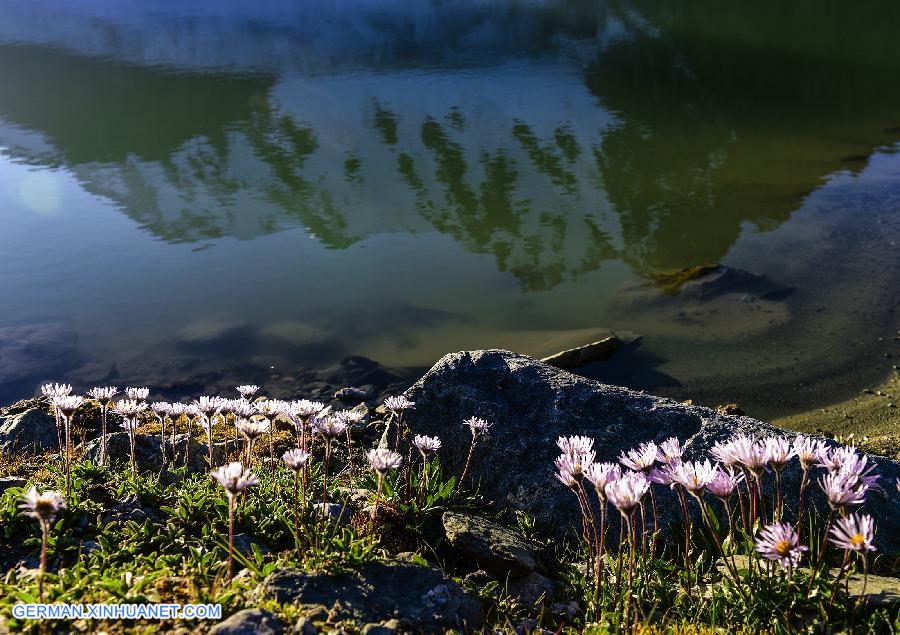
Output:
x=195 y=186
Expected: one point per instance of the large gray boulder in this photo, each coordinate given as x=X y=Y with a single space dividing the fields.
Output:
x=31 y=430
x=423 y=599
x=531 y=404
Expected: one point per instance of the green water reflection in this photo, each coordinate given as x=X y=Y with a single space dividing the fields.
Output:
x=575 y=144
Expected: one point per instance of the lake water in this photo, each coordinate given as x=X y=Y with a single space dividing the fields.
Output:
x=192 y=187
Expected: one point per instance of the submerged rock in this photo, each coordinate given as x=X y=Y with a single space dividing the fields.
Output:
x=36 y=351
x=598 y=351
x=705 y=282
x=31 y=430
x=709 y=302
x=422 y=598
x=531 y=404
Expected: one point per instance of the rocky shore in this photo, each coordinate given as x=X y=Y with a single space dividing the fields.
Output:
x=470 y=557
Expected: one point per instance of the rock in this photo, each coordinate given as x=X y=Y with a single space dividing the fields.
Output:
x=148 y=451
x=7 y=482
x=530 y=626
x=129 y=508
x=408 y=557
x=363 y=393
x=598 y=351
x=422 y=596
x=531 y=404
x=730 y=409
x=357 y=497
x=244 y=544
x=305 y=626
x=880 y=591
x=565 y=610
x=336 y=513
x=88 y=546
x=532 y=590
x=361 y=409
x=36 y=351
x=387 y=628
x=249 y=622
x=31 y=430
x=479 y=578
x=493 y=546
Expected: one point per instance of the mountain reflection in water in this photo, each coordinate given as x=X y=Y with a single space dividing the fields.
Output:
x=568 y=146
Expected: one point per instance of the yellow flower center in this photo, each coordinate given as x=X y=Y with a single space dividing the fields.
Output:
x=857 y=540
x=783 y=547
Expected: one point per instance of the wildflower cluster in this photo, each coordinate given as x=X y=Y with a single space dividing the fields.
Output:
x=737 y=468
x=320 y=451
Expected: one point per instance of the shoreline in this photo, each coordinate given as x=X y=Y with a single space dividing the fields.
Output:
x=870 y=419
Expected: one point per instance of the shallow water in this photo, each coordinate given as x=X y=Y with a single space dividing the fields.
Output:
x=193 y=186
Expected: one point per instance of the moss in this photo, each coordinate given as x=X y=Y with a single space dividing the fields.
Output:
x=671 y=280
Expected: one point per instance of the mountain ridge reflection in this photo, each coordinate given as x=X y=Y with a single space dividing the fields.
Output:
x=665 y=136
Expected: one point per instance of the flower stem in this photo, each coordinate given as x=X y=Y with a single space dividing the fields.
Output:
x=631 y=549
x=837 y=580
x=103 y=409
x=804 y=482
x=209 y=443
x=296 y=515
x=778 y=511
x=599 y=569
x=468 y=463
x=230 y=535
x=271 y=440
x=687 y=536
x=68 y=461
x=377 y=498
x=820 y=557
x=45 y=535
